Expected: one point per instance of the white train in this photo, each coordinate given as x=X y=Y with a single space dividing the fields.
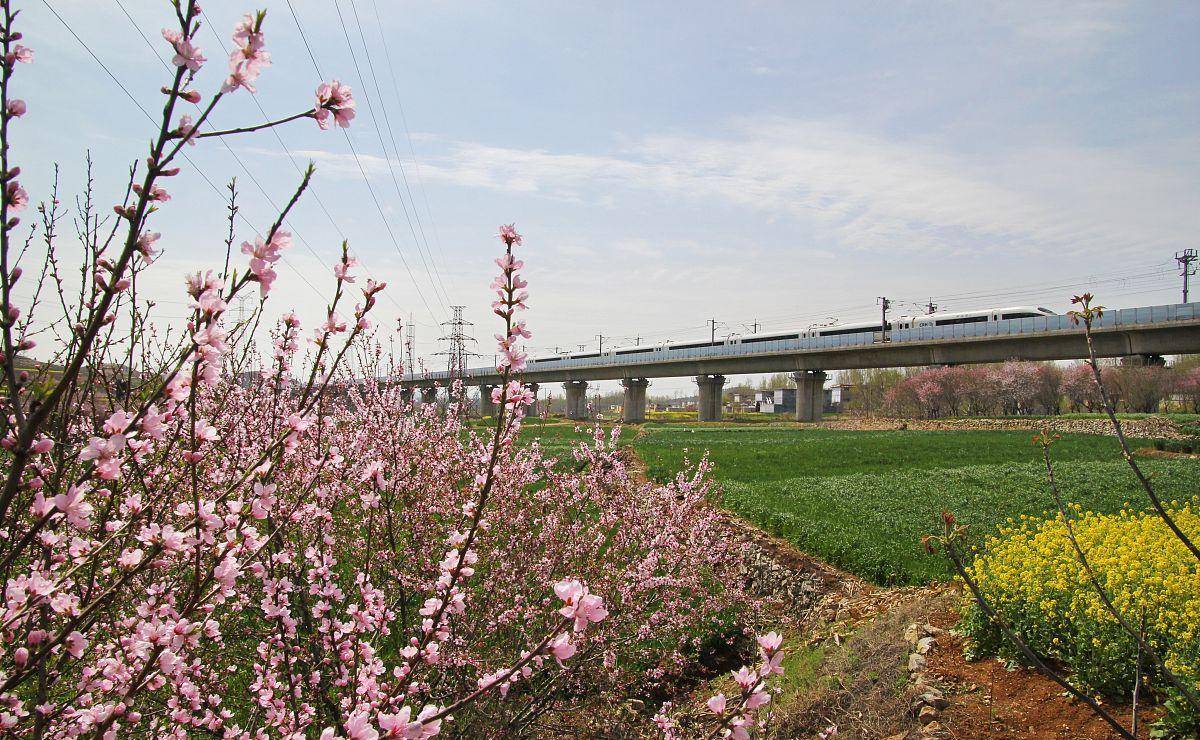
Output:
x=900 y=322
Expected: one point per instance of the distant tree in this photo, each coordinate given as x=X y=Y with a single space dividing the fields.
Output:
x=870 y=388
x=776 y=381
x=1142 y=388
x=1187 y=389
x=1079 y=388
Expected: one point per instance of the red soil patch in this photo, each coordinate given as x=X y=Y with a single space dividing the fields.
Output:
x=990 y=701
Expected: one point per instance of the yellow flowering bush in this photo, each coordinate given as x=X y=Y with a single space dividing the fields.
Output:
x=1032 y=576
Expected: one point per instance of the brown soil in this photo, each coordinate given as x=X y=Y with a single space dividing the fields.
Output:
x=988 y=700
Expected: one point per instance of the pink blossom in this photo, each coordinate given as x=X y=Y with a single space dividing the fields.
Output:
x=342 y=270
x=578 y=604
x=186 y=129
x=130 y=558
x=187 y=54
x=76 y=644
x=71 y=503
x=561 y=647
x=246 y=61
x=15 y=196
x=145 y=246
x=508 y=234
x=336 y=99
x=105 y=452
x=358 y=727
x=716 y=704
x=263 y=256
x=16 y=108
x=20 y=53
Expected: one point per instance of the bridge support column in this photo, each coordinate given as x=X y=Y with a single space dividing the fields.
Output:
x=633 y=408
x=1143 y=361
x=429 y=395
x=711 y=387
x=576 y=398
x=487 y=407
x=533 y=407
x=406 y=396
x=810 y=394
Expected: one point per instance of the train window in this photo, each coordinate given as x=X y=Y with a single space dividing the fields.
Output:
x=584 y=357
x=961 y=320
x=1020 y=315
x=859 y=330
x=693 y=345
x=633 y=351
x=770 y=339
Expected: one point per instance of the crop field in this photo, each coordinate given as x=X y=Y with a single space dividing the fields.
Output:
x=862 y=500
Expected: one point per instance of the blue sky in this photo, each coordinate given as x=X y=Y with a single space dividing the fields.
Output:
x=669 y=163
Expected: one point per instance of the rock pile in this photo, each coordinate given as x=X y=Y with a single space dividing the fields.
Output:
x=928 y=702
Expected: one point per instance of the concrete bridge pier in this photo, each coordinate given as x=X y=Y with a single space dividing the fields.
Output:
x=711 y=388
x=633 y=408
x=406 y=396
x=810 y=394
x=576 y=398
x=429 y=395
x=533 y=407
x=487 y=407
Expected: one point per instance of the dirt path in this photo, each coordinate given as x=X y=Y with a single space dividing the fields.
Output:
x=987 y=700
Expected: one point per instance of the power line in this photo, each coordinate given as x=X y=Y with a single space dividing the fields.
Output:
x=437 y=238
x=396 y=150
x=371 y=111
x=312 y=188
x=361 y=169
x=150 y=118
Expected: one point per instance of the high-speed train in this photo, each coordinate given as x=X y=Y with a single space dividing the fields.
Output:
x=901 y=322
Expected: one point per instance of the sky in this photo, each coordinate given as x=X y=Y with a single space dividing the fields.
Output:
x=760 y=164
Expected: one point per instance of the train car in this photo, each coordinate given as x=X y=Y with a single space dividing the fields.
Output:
x=970 y=317
x=831 y=330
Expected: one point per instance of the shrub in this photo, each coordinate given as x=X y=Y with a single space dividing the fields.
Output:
x=1033 y=578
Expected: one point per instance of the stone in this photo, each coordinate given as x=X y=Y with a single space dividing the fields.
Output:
x=928 y=714
x=934 y=699
x=912 y=633
x=931 y=728
x=916 y=662
x=926 y=644
x=637 y=705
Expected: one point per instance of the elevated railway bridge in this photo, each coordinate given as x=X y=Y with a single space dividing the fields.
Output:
x=1148 y=331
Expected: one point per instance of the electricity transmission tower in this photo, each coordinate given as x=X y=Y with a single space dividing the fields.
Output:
x=410 y=349
x=456 y=351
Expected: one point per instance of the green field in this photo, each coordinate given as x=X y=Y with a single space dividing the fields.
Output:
x=862 y=500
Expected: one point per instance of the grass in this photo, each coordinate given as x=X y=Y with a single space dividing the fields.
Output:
x=862 y=500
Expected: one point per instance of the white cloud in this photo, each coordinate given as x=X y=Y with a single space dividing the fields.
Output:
x=852 y=189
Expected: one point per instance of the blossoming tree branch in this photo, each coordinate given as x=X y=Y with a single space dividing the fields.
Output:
x=304 y=554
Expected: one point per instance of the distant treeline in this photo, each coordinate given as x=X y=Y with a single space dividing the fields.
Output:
x=1022 y=388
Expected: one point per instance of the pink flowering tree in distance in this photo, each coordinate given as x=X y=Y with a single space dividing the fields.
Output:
x=199 y=539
